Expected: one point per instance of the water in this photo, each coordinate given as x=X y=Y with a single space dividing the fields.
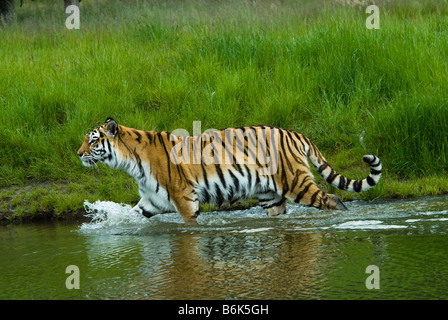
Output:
x=305 y=254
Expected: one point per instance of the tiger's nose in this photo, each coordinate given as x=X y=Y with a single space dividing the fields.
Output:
x=80 y=154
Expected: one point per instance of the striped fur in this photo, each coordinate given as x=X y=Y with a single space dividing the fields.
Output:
x=239 y=170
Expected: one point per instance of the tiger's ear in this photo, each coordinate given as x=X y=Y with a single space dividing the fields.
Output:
x=111 y=127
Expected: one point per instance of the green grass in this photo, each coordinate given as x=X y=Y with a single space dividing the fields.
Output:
x=310 y=66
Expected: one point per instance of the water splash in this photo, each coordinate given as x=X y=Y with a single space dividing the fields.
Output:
x=366 y=224
x=118 y=219
x=111 y=218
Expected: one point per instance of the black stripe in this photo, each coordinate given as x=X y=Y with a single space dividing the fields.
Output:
x=347 y=183
x=294 y=142
x=231 y=193
x=253 y=155
x=332 y=176
x=376 y=161
x=285 y=187
x=154 y=205
x=238 y=168
x=257 y=179
x=219 y=195
x=109 y=157
x=139 y=136
x=322 y=199
x=298 y=138
x=313 y=197
x=282 y=145
x=370 y=181
x=279 y=203
x=249 y=177
x=204 y=140
x=273 y=182
x=221 y=176
x=175 y=138
x=149 y=136
x=289 y=135
x=139 y=163
x=367 y=160
x=375 y=172
x=182 y=173
x=167 y=156
x=341 y=182
x=310 y=145
x=357 y=185
x=294 y=156
x=252 y=141
x=302 y=193
x=263 y=143
x=295 y=180
x=225 y=145
x=303 y=181
x=239 y=144
x=206 y=195
x=235 y=181
x=375 y=165
x=286 y=157
x=204 y=173
x=108 y=145
x=167 y=192
x=323 y=167
x=266 y=200
x=246 y=152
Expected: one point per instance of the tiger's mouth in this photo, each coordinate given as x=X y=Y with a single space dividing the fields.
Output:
x=88 y=161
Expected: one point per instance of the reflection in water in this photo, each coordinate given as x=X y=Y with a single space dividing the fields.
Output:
x=197 y=266
x=238 y=266
x=306 y=254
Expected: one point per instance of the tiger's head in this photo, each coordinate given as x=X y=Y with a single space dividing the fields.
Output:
x=98 y=144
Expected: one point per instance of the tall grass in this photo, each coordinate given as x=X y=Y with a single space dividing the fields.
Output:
x=310 y=66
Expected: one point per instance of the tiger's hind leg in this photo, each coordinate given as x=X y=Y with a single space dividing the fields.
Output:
x=311 y=195
x=332 y=202
x=272 y=203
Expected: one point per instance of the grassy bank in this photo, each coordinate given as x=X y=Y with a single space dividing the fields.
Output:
x=310 y=66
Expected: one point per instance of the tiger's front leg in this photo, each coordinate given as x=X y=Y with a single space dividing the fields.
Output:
x=147 y=208
x=187 y=207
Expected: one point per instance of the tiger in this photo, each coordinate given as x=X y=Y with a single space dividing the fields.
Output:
x=274 y=169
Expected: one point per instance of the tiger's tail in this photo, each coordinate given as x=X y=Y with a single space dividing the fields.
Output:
x=341 y=182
